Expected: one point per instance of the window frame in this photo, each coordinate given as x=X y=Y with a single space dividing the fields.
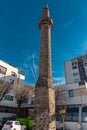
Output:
x=71 y=93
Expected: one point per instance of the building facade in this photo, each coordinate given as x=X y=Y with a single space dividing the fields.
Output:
x=76 y=70
x=10 y=73
x=14 y=76
x=74 y=99
x=74 y=95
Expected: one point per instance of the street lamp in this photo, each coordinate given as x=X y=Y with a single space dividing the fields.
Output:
x=62 y=112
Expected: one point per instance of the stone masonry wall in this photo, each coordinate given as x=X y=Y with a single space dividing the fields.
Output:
x=44 y=109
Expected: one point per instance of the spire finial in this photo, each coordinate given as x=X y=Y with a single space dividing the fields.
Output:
x=45 y=4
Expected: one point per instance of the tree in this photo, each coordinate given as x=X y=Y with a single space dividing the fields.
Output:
x=5 y=87
x=21 y=93
x=60 y=98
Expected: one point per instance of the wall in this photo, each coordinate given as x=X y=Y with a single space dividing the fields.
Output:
x=5 y=115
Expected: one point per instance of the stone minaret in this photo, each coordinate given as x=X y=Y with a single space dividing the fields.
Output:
x=44 y=107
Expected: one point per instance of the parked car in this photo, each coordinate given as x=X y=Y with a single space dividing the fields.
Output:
x=14 y=125
x=2 y=122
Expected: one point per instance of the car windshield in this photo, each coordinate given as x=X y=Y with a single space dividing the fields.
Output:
x=8 y=123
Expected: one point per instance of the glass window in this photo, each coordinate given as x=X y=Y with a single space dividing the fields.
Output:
x=68 y=116
x=75 y=74
x=3 y=70
x=58 y=117
x=13 y=73
x=81 y=83
x=84 y=114
x=85 y=64
x=74 y=63
x=11 y=81
x=8 y=97
x=76 y=80
x=72 y=113
x=25 y=100
x=74 y=67
x=17 y=123
x=71 y=93
x=8 y=123
x=75 y=116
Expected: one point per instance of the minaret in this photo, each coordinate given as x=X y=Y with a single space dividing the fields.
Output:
x=44 y=107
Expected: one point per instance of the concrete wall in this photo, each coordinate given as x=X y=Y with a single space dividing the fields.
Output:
x=9 y=71
x=79 y=94
x=5 y=115
x=69 y=73
x=72 y=125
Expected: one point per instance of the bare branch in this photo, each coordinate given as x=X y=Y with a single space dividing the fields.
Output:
x=21 y=93
x=60 y=95
x=5 y=87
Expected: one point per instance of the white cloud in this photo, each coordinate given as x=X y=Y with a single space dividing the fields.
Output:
x=58 y=80
x=30 y=66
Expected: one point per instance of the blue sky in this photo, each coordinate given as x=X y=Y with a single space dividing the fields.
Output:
x=20 y=35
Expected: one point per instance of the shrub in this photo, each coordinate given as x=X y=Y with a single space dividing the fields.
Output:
x=26 y=121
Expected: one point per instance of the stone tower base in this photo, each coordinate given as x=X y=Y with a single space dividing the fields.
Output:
x=44 y=116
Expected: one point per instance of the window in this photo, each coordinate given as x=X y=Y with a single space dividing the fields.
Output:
x=71 y=93
x=72 y=114
x=13 y=73
x=74 y=67
x=75 y=116
x=8 y=97
x=32 y=101
x=17 y=123
x=75 y=74
x=7 y=109
x=58 y=117
x=3 y=70
x=1 y=77
x=76 y=80
x=81 y=83
x=11 y=81
x=8 y=123
x=85 y=64
x=74 y=63
x=25 y=100
x=68 y=116
x=84 y=114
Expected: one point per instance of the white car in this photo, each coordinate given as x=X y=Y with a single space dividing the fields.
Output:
x=13 y=125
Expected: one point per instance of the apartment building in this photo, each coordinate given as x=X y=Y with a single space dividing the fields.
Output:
x=10 y=73
x=14 y=76
x=76 y=69
x=74 y=96
x=74 y=100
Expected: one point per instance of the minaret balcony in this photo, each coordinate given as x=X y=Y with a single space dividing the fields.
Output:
x=46 y=20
